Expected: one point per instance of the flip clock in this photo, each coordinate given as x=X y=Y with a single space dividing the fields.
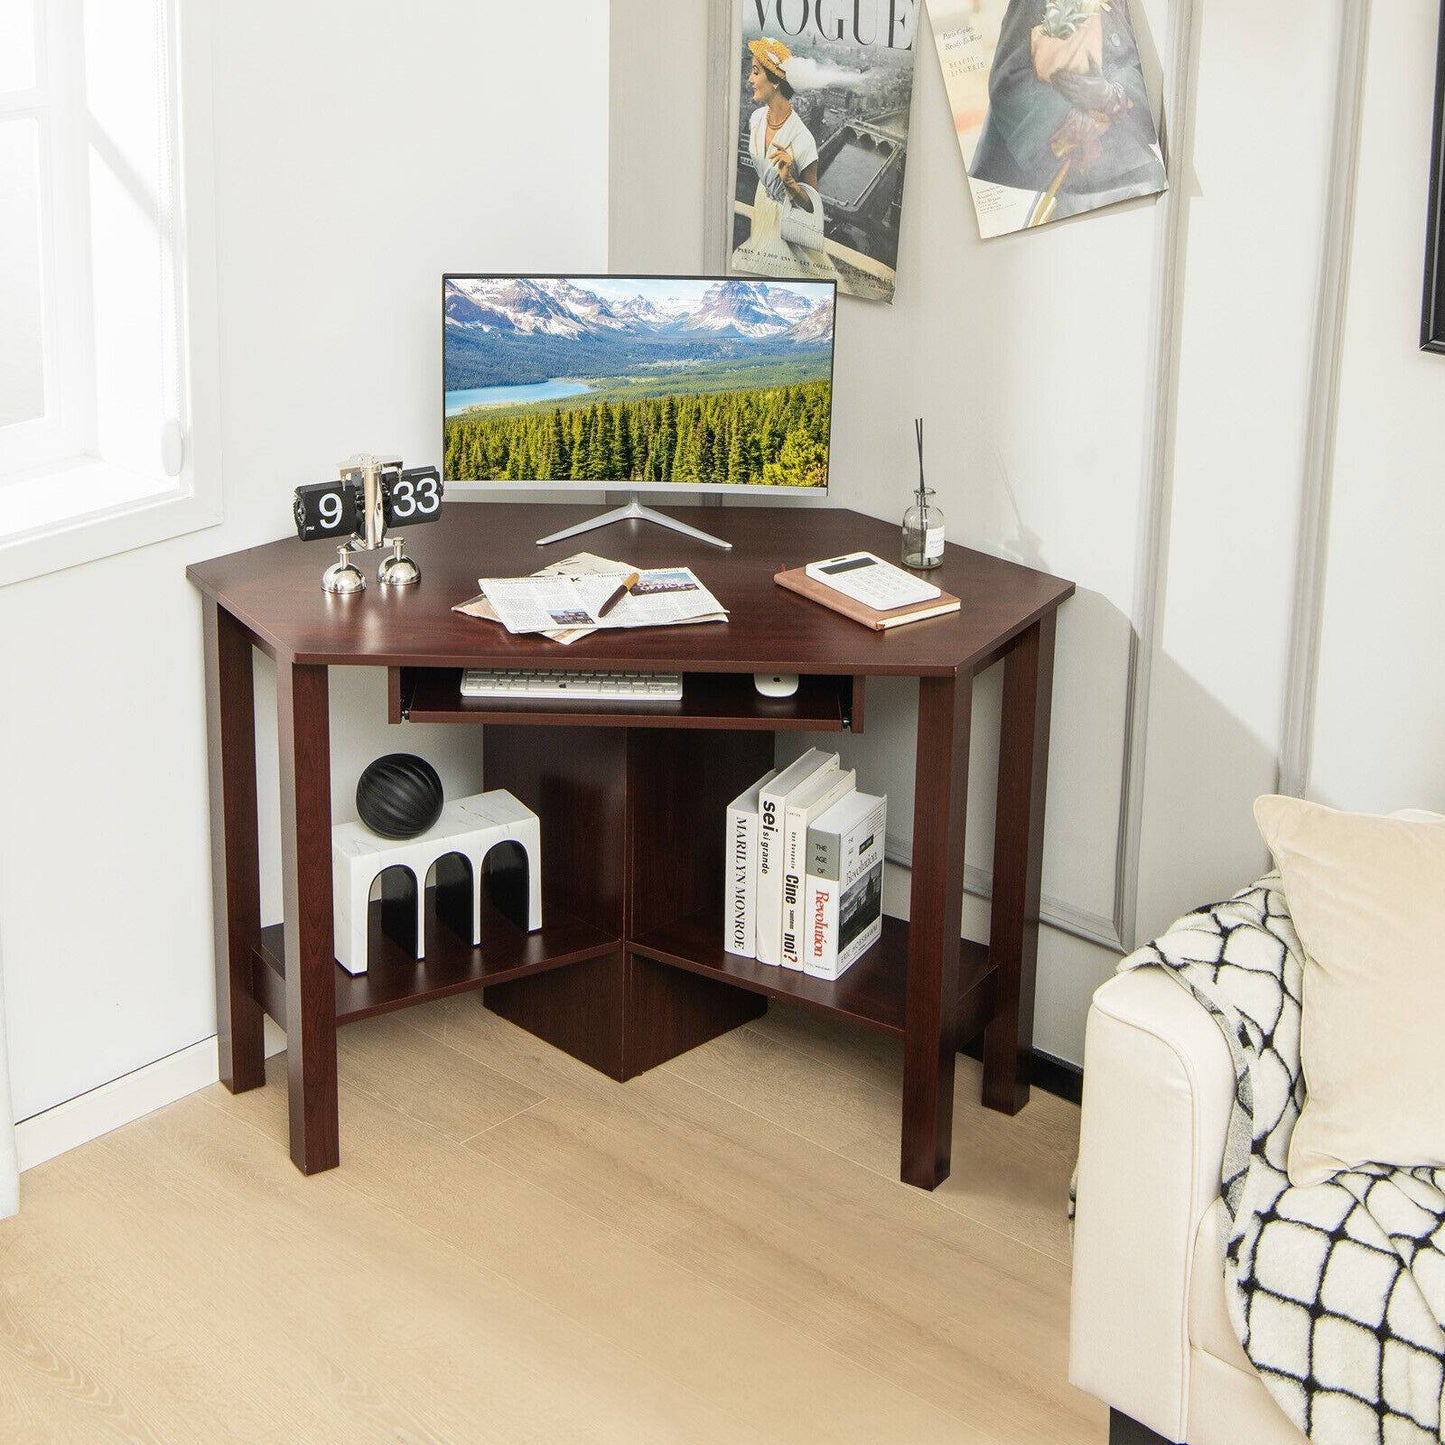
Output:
x=371 y=495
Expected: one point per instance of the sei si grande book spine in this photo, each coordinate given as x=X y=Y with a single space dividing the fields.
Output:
x=740 y=911
x=772 y=806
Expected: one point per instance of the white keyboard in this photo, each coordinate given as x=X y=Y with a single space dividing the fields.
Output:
x=528 y=684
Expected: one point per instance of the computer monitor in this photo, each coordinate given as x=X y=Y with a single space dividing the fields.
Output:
x=666 y=384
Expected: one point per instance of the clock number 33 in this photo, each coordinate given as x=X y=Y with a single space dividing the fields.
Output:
x=415 y=496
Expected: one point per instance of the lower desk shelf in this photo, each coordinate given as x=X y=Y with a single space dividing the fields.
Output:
x=395 y=979
x=871 y=993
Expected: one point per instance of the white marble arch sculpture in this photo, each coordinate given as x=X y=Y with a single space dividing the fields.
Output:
x=470 y=826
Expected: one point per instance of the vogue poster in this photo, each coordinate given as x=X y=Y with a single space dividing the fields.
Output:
x=823 y=94
x=1049 y=107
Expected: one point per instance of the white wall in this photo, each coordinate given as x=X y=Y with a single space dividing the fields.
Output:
x=1130 y=400
x=360 y=150
x=1250 y=272
x=1379 y=734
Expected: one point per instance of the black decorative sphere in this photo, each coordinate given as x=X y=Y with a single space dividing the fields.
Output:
x=399 y=796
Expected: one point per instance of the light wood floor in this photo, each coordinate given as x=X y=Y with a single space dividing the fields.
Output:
x=515 y=1249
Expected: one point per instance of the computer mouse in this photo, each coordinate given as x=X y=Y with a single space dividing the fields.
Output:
x=776 y=684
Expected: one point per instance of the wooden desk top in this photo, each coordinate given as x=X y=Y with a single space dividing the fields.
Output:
x=275 y=591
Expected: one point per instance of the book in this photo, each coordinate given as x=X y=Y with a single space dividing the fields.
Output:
x=740 y=921
x=796 y=579
x=815 y=797
x=772 y=804
x=844 y=890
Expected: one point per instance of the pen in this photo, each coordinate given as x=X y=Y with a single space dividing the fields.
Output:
x=627 y=585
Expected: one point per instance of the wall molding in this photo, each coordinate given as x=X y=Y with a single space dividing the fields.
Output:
x=718 y=158
x=1322 y=419
x=132 y=1096
x=1056 y=913
x=1177 y=132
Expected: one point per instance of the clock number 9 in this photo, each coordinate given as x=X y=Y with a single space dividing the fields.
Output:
x=326 y=509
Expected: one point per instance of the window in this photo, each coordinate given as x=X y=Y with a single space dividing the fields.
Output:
x=99 y=309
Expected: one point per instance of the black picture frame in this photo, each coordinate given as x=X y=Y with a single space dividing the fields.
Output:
x=1432 y=318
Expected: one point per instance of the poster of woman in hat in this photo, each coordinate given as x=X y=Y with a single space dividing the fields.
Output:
x=786 y=237
x=822 y=138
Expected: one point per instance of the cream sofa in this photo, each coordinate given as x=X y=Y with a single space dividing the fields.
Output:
x=1150 y=1335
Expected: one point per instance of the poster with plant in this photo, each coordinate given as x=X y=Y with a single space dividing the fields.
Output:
x=1049 y=107
x=819 y=103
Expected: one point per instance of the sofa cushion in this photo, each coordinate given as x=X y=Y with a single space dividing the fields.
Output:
x=1367 y=896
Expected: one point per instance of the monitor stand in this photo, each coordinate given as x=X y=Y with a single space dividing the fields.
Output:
x=635 y=510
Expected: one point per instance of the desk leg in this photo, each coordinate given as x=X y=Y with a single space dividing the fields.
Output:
x=1018 y=851
x=305 y=755
x=235 y=870
x=930 y=1040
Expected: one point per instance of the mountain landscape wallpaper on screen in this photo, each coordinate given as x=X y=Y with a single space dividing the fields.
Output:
x=724 y=383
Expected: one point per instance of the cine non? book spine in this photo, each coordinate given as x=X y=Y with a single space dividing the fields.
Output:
x=772 y=807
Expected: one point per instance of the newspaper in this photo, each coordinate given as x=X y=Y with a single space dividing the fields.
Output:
x=566 y=601
x=580 y=564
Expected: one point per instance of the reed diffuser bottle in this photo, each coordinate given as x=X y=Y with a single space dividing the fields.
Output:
x=922 y=522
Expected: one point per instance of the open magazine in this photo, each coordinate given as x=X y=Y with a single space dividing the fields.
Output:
x=577 y=596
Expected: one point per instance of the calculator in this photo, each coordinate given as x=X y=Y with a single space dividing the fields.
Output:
x=872 y=581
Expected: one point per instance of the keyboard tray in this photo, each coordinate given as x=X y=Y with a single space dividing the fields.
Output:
x=720 y=700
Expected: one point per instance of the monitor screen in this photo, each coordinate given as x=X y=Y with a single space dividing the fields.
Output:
x=646 y=382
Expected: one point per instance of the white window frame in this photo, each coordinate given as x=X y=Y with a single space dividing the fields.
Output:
x=61 y=429
x=61 y=503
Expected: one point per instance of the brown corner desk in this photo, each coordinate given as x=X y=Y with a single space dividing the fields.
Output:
x=629 y=969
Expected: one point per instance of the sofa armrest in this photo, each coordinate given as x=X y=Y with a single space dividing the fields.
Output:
x=1158 y=1088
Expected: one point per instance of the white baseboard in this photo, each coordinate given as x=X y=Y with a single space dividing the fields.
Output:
x=130 y=1097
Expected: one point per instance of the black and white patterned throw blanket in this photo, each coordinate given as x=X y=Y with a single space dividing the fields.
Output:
x=1337 y=1291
